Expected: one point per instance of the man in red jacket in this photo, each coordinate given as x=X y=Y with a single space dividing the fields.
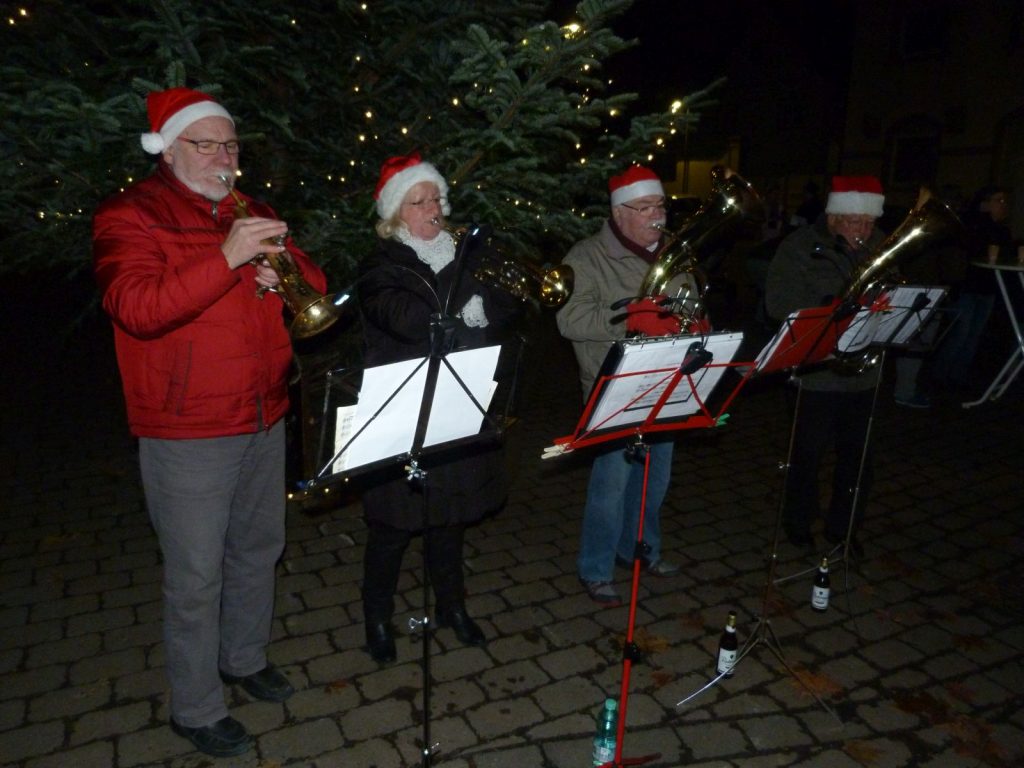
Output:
x=204 y=362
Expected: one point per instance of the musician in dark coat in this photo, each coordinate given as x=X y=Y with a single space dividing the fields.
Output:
x=403 y=283
x=812 y=267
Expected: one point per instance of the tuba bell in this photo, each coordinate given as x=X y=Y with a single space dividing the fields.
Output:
x=928 y=221
x=732 y=201
x=312 y=312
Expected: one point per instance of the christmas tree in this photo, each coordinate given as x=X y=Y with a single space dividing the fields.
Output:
x=515 y=109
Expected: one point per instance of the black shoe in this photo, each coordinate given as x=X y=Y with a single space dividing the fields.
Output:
x=225 y=738
x=466 y=630
x=800 y=538
x=659 y=567
x=838 y=539
x=380 y=642
x=268 y=684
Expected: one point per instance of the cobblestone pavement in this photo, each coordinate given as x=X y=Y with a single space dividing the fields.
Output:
x=918 y=659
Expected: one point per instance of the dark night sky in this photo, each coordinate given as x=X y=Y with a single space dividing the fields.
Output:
x=786 y=65
x=686 y=44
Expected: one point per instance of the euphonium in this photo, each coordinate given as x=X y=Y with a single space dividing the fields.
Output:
x=312 y=311
x=551 y=286
x=732 y=200
x=927 y=221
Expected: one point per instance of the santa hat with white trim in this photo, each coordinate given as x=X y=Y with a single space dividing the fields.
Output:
x=855 y=196
x=400 y=174
x=174 y=110
x=637 y=181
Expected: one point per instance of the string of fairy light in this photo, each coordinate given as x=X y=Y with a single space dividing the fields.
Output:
x=367 y=135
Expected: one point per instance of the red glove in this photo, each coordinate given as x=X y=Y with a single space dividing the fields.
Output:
x=647 y=317
x=699 y=326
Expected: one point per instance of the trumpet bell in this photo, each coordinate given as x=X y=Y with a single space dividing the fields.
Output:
x=316 y=317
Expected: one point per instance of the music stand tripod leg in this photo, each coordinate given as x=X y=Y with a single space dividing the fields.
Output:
x=424 y=625
x=763 y=632
x=630 y=651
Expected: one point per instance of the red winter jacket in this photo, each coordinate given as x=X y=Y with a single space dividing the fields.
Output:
x=200 y=355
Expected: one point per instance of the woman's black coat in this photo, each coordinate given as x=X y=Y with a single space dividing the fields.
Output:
x=398 y=295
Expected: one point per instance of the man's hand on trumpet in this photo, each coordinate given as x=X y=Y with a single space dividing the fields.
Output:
x=251 y=237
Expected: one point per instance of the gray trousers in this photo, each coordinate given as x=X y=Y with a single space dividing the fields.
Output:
x=218 y=507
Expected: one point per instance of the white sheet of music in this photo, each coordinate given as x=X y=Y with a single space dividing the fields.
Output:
x=392 y=431
x=616 y=406
x=902 y=299
x=897 y=323
x=454 y=415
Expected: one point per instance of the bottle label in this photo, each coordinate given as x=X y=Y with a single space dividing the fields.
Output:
x=726 y=661
x=604 y=751
x=819 y=598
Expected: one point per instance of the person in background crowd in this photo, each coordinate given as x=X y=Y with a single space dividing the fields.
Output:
x=987 y=238
x=204 y=362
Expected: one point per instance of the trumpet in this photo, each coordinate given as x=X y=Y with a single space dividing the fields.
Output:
x=551 y=286
x=312 y=311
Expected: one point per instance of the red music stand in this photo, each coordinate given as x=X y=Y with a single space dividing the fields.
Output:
x=640 y=396
x=808 y=337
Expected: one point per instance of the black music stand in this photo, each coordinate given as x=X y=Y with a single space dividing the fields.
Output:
x=640 y=393
x=809 y=337
x=439 y=403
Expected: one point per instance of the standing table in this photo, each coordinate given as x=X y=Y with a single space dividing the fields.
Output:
x=1005 y=270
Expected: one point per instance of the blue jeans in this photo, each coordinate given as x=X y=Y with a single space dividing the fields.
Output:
x=612 y=512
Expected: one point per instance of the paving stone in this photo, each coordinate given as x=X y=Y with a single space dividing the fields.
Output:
x=512 y=679
x=111 y=721
x=67 y=702
x=375 y=719
x=33 y=682
x=31 y=740
x=68 y=650
x=106 y=666
x=307 y=739
x=502 y=717
x=99 y=754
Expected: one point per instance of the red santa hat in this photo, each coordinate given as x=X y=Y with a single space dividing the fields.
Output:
x=174 y=110
x=855 y=195
x=637 y=181
x=400 y=174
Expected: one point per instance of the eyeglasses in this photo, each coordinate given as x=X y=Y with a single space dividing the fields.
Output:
x=647 y=210
x=210 y=147
x=442 y=201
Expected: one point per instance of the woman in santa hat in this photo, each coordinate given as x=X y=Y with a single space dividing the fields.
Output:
x=407 y=279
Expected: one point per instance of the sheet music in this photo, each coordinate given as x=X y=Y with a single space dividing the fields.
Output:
x=903 y=298
x=459 y=417
x=391 y=433
x=811 y=335
x=861 y=331
x=616 y=406
x=806 y=336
